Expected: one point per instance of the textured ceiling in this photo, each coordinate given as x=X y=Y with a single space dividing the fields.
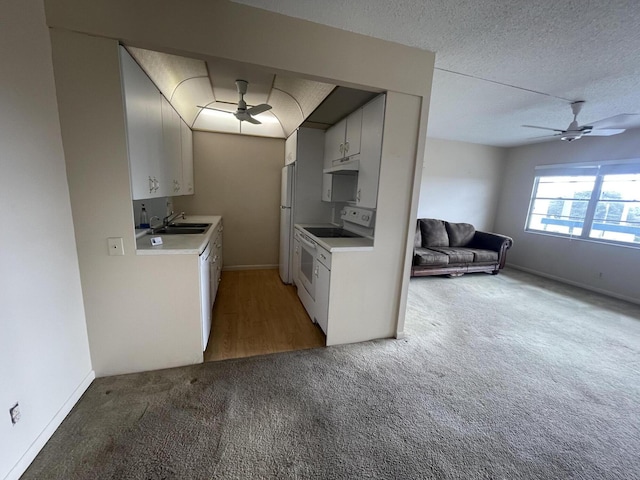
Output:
x=501 y=64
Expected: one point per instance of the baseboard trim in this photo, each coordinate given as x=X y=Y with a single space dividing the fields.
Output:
x=249 y=267
x=575 y=284
x=21 y=466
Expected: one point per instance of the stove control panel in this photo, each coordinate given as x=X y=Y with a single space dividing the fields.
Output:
x=359 y=216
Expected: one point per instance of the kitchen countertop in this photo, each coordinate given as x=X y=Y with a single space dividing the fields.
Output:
x=361 y=244
x=179 y=244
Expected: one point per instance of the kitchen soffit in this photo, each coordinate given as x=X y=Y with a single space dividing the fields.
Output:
x=189 y=82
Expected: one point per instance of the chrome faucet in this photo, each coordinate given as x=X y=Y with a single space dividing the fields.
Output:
x=151 y=221
x=171 y=217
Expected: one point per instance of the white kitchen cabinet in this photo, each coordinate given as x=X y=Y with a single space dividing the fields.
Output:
x=217 y=263
x=172 y=160
x=370 y=153
x=291 y=148
x=143 y=106
x=342 y=140
x=186 y=143
x=296 y=262
x=323 y=280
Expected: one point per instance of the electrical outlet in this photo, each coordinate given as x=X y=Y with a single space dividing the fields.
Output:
x=116 y=246
x=15 y=413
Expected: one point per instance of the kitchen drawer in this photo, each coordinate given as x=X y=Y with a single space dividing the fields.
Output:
x=324 y=257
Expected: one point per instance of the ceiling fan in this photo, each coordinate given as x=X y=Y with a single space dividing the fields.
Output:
x=602 y=128
x=243 y=113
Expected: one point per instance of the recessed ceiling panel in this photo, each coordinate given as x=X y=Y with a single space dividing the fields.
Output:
x=308 y=94
x=168 y=71
x=189 y=94
x=287 y=109
x=224 y=74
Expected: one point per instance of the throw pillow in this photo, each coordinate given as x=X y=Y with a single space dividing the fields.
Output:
x=460 y=234
x=434 y=233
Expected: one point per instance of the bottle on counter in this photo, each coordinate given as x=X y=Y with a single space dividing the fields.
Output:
x=144 y=218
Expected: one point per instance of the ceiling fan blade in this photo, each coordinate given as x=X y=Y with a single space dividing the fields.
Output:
x=258 y=109
x=216 y=109
x=605 y=132
x=544 y=128
x=624 y=120
x=253 y=120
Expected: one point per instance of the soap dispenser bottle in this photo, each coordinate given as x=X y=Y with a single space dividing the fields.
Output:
x=144 y=219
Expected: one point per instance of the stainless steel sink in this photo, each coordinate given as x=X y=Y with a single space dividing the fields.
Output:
x=171 y=230
x=190 y=225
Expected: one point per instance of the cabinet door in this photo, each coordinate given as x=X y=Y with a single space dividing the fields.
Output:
x=370 y=153
x=172 y=149
x=334 y=142
x=144 y=129
x=353 y=133
x=296 y=261
x=186 y=142
x=322 y=296
x=290 y=148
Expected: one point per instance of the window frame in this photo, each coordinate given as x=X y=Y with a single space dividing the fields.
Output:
x=598 y=172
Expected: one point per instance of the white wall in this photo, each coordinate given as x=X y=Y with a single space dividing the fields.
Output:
x=607 y=268
x=238 y=177
x=461 y=182
x=44 y=351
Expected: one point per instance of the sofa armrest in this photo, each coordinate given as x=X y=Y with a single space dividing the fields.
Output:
x=490 y=241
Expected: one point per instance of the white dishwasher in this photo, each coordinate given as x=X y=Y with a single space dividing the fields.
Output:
x=205 y=294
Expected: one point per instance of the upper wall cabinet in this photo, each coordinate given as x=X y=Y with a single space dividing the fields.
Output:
x=143 y=105
x=370 y=153
x=342 y=140
x=160 y=143
x=186 y=142
x=361 y=187
x=171 y=135
x=291 y=148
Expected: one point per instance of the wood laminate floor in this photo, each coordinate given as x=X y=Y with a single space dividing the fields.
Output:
x=255 y=313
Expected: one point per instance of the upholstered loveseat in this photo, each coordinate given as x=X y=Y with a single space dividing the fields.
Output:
x=442 y=248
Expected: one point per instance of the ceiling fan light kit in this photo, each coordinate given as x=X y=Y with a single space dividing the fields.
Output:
x=243 y=113
x=602 y=128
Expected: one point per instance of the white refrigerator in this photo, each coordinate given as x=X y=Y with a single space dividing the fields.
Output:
x=286 y=222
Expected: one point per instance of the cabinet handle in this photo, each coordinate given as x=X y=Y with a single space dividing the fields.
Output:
x=342 y=148
x=151 y=185
x=346 y=147
x=328 y=193
x=316 y=272
x=358 y=196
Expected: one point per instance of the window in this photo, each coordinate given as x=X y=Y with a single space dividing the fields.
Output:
x=594 y=202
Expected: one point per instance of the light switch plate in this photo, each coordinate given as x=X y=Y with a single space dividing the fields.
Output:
x=116 y=246
x=156 y=241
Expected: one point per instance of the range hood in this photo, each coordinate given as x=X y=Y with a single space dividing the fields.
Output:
x=346 y=167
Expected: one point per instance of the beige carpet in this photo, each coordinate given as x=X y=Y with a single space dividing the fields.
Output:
x=500 y=377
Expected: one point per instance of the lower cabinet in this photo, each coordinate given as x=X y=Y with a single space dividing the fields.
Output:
x=210 y=277
x=322 y=273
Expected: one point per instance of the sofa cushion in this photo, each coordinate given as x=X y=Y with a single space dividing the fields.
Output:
x=484 y=256
x=460 y=234
x=456 y=255
x=434 y=233
x=428 y=257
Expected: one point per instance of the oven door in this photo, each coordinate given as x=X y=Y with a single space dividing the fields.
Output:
x=307 y=264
